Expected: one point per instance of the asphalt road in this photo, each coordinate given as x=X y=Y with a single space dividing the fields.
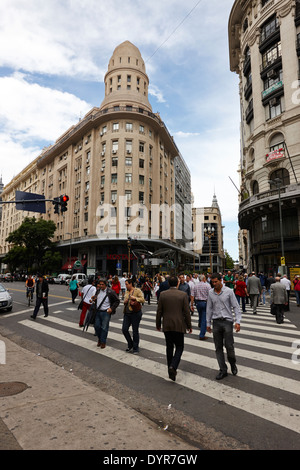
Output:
x=257 y=409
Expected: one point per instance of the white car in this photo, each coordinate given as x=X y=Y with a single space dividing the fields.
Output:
x=61 y=279
x=6 y=302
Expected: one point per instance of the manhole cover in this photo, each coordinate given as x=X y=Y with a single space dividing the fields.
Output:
x=11 y=388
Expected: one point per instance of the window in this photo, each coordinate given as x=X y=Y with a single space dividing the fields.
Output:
x=128 y=195
x=274 y=108
x=269 y=28
x=128 y=146
x=255 y=188
x=129 y=127
x=113 y=196
x=128 y=78
x=114 y=161
x=277 y=142
x=114 y=178
x=115 y=146
x=141 y=162
x=115 y=126
x=142 y=129
x=141 y=179
x=128 y=161
x=271 y=55
x=128 y=178
x=141 y=196
x=282 y=174
x=141 y=147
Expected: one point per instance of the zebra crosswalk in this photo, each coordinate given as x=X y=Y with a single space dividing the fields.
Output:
x=264 y=350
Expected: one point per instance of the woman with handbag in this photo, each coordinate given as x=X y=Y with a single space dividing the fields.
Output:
x=133 y=302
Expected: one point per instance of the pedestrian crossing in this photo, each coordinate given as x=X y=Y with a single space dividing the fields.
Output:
x=263 y=348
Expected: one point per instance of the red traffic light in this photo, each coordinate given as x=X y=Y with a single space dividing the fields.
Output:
x=65 y=198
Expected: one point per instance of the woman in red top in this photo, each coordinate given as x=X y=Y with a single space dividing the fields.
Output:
x=240 y=290
x=297 y=289
x=115 y=285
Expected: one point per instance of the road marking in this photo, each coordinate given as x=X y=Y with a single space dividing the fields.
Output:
x=265 y=409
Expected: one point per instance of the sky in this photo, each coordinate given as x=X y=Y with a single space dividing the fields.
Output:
x=52 y=68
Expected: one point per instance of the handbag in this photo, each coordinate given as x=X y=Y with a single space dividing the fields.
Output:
x=135 y=305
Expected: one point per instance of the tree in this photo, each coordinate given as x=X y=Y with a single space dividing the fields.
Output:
x=35 y=237
x=229 y=262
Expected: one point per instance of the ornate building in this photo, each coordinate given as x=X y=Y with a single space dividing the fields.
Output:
x=125 y=177
x=264 y=47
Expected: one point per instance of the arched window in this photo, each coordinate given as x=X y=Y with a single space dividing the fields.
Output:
x=282 y=174
x=255 y=188
x=277 y=142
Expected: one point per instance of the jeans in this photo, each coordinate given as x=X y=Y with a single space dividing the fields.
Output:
x=132 y=319
x=174 y=338
x=223 y=334
x=201 y=307
x=102 y=324
x=238 y=298
x=297 y=292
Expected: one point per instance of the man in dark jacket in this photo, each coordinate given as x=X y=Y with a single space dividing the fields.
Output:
x=174 y=311
x=42 y=290
x=107 y=302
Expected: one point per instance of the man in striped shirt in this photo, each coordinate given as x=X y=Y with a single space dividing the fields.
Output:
x=200 y=296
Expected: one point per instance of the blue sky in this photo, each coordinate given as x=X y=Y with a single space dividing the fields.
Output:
x=56 y=55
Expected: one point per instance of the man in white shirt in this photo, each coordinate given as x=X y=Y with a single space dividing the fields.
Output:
x=287 y=284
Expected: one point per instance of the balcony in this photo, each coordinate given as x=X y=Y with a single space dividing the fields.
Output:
x=274 y=91
x=248 y=89
x=249 y=112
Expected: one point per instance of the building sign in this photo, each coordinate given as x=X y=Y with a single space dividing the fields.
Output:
x=272 y=88
x=275 y=155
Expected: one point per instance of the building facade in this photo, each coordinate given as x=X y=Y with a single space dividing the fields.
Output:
x=264 y=46
x=208 y=238
x=123 y=172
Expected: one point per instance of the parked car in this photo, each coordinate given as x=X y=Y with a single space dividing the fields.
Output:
x=8 y=277
x=80 y=277
x=61 y=279
x=6 y=302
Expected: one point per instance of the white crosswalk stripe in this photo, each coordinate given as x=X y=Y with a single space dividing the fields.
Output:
x=259 y=338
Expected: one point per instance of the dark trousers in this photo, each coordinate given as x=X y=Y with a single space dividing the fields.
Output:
x=174 y=339
x=39 y=301
x=223 y=335
x=279 y=313
x=132 y=319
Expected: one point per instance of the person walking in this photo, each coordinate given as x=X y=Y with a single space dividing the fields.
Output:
x=147 y=289
x=42 y=290
x=221 y=301
x=132 y=318
x=116 y=285
x=278 y=299
x=287 y=284
x=87 y=293
x=240 y=290
x=296 y=283
x=200 y=296
x=173 y=312
x=73 y=287
x=254 y=290
x=106 y=305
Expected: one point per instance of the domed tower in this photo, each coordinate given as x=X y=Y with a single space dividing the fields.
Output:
x=126 y=81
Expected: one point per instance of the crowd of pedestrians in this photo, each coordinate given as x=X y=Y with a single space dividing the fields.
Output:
x=219 y=300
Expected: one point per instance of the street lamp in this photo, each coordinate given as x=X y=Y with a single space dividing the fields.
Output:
x=277 y=182
x=129 y=248
x=209 y=232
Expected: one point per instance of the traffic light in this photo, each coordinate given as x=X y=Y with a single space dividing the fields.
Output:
x=56 y=203
x=64 y=203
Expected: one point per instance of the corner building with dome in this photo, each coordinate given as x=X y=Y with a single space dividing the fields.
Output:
x=129 y=186
x=264 y=49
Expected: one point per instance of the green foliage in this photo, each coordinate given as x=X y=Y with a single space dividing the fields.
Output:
x=229 y=262
x=30 y=240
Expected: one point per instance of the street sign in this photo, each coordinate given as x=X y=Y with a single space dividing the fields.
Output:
x=30 y=202
x=282 y=261
x=77 y=264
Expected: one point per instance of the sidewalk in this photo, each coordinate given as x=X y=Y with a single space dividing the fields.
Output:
x=45 y=407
